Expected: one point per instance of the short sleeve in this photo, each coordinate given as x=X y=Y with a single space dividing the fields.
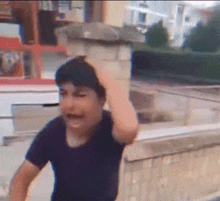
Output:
x=37 y=152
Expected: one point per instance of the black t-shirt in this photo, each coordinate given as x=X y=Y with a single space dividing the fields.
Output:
x=88 y=172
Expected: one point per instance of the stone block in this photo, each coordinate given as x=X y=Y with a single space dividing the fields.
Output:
x=62 y=40
x=205 y=187
x=112 y=68
x=128 y=167
x=167 y=160
x=118 y=70
x=135 y=189
x=215 y=179
x=163 y=181
x=157 y=162
x=144 y=191
x=193 y=174
x=199 y=153
x=156 y=173
x=180 y=168
x=152 y=195
x=127 y=191
x=165 y=170
x=208 y=151
x=147 y=175
x=102 y=51
x=127 y=178
x=136 y=166
x=212 y=166
x=124 y=53
x=125 y=69
x=200 y=165
x=175 y=158
x=137 y=176
x=76 y=47
x=134 y=198
x=147 y=163
x=216 y=150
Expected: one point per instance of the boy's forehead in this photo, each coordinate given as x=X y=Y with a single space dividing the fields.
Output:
x=72 y=87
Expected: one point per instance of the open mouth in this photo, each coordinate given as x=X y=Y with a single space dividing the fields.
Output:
x=75 y=120
x=74 y=116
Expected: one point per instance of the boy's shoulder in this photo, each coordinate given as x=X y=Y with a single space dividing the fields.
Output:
x=55 y=123
x=51 y=128
x=106 y=117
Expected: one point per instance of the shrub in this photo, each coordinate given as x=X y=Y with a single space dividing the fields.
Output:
x=157 y=35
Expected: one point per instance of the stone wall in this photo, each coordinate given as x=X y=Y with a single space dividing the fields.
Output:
x=172 y=169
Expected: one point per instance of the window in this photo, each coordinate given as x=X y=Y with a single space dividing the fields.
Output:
x=141 y=17
x=144 y=1
x=64 y=6
x=89 y=6
x=15 y=64
x=143 y=4
x=93 y=11
x=187 y=18
x=132 y=17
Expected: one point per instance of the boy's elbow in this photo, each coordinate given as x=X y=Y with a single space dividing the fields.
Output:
x=127 y=136
x=132 y=136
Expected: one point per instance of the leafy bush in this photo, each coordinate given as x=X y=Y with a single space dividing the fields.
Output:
x=157 y=35
x=205 y=38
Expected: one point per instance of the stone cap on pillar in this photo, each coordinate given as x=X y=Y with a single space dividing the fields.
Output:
x=99 y=31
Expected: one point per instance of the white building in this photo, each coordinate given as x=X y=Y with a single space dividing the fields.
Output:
x=178 y=17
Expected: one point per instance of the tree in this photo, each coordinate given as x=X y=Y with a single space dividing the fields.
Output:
x=157 y=35
x=205 y=38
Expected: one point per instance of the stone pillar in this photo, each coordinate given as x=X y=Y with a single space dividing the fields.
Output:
x=102 y=42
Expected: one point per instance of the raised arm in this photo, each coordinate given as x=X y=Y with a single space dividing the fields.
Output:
x=22 y=180
x=125 y=123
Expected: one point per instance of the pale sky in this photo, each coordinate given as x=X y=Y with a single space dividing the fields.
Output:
x=202 y=3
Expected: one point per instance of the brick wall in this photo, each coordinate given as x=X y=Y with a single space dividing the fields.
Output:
x=189 y=170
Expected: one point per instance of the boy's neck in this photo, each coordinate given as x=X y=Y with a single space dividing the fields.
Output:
x=83 y=135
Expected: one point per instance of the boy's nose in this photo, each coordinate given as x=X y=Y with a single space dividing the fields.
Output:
x=70 y=102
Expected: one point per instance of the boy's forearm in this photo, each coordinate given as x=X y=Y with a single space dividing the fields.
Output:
x=18 y=190
x=122 y=111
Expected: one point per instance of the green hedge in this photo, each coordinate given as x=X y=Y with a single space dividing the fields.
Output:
x=201 y=66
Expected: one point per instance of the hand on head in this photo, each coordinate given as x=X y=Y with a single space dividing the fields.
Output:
x=99 y=66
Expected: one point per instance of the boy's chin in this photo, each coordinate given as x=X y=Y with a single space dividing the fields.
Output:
x=74 y=124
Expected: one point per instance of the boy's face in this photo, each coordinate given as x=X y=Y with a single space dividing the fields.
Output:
x=81 y=107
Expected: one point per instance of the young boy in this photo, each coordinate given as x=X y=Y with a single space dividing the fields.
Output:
x=85 y=143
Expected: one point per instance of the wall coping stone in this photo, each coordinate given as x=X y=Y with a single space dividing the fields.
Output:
x=169 y=145
x=100 y=31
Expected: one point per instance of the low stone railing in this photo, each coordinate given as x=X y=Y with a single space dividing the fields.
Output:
x=184 y=166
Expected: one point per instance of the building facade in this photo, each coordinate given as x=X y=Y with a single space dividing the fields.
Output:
x=47 y=34
x=178 y=17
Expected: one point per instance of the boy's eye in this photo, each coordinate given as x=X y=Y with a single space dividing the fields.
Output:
x=80 y=95
x=62 y=93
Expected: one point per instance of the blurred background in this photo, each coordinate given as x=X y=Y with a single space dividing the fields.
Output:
x=164 y=54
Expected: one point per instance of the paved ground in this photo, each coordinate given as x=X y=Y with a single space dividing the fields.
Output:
x=11 y=157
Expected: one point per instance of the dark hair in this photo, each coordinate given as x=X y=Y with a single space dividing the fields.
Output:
x=79 y=73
